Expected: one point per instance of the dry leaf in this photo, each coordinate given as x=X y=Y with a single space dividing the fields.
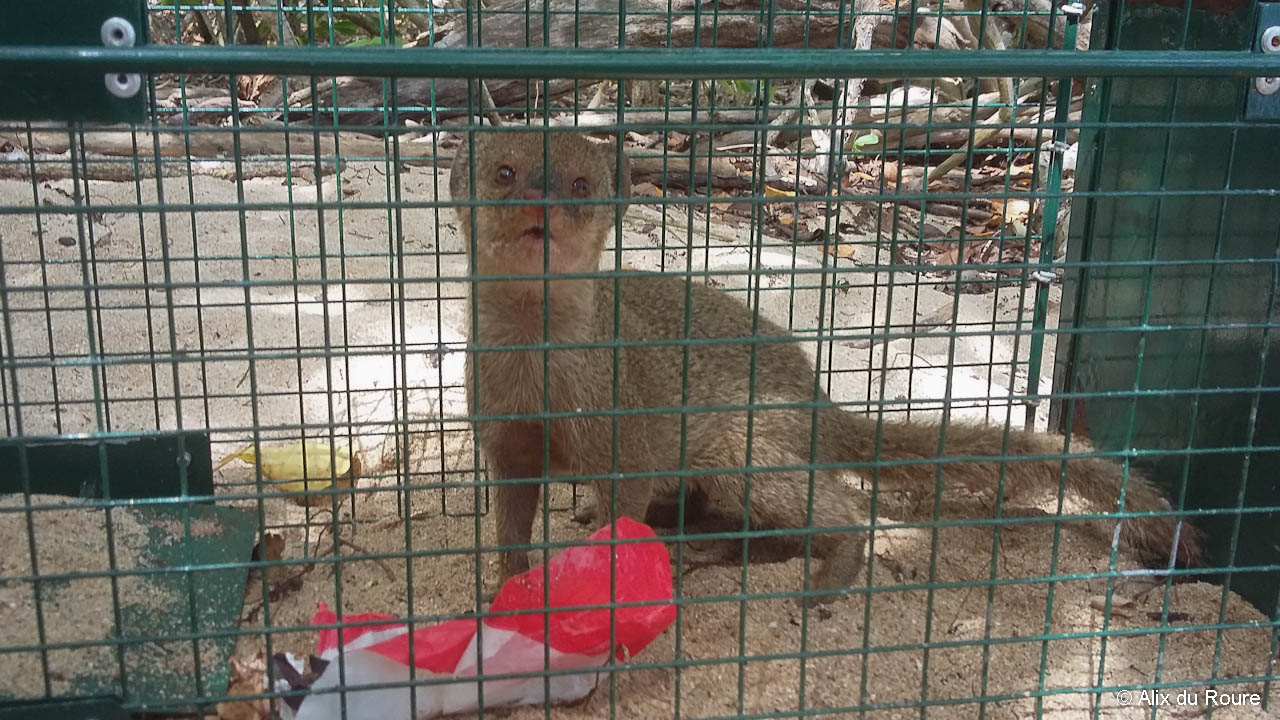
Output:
x=247 y=678
x=1016 y=209
x=770 y=191
x=843 y=251
x=301 y=466
x=249 y=87
x=1121 y=606
x=274 y=545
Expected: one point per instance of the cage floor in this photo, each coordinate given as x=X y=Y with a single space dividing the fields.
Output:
x=145 y=638
x=866 y=650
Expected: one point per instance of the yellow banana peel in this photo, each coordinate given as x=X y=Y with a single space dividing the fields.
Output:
x=283 y=466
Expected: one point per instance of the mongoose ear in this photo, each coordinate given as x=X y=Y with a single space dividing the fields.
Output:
x=624 y=180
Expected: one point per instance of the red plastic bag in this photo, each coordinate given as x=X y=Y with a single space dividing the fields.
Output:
x=378 y=653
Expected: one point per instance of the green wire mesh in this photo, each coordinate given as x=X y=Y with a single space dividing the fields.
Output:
x=268 y=270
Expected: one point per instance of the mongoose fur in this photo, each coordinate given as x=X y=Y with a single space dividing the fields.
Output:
x=509 y=240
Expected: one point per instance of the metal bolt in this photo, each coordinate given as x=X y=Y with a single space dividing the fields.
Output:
x=118 y=32
x=123 y=85
x=1044 y=277
x=1271 y=40
x=1266 y=85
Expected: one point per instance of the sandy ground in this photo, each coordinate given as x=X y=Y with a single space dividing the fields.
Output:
x=395 y=324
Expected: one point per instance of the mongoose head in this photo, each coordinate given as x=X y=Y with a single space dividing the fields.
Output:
x=563 y=199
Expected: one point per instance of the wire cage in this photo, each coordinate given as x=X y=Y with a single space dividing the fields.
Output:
x=239 y=300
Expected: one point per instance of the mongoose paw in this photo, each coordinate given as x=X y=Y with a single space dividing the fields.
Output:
x=821 y=602
x=695 y=556
x=586 y=514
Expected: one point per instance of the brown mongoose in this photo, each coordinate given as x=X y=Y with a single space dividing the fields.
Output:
x=509 y=240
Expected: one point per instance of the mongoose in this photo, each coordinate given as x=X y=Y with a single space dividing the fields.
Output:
x=510 y=240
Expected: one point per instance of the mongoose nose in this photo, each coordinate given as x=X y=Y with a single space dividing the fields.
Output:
x=534 y=213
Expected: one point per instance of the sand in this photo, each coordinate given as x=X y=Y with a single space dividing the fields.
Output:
x=726 y=649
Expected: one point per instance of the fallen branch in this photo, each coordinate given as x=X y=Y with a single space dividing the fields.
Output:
x=746 y=118
x=49 y=168
x=53 y=162
x=298 y=144
x=951 y=209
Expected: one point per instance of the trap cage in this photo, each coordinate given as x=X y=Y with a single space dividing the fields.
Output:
x=235 y=303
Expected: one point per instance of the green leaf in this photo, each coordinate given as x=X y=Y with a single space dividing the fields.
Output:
x=871 y=138
x=345 y=27
x=373 y=42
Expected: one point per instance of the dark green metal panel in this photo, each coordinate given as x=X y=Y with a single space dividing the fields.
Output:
x=1217 y=295
x=73 y=94
x=140 y=467
x=97 y=709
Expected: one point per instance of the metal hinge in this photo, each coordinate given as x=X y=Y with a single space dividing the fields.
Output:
x=1264 y=92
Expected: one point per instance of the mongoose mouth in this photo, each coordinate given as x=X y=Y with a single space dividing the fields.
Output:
x=532 y=235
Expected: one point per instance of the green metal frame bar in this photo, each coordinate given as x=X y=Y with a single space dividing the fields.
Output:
x=718 y=63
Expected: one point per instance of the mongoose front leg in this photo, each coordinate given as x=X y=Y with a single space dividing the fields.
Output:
x=516 y=506
x=632 y=499
x=514 y=451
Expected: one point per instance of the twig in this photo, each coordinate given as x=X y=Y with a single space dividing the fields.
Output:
x=992 y=41
x=249 y=26
x=486 y=105
x=651 y=214
x=416 y=19
x=362 y=22
x=381 y=563
x=596 y=100
x=296 y=97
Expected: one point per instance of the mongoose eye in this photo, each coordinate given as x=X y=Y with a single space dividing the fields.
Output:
x=580 y=187
x=506 y=175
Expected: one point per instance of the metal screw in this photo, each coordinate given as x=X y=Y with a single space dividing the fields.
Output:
x=123 y=85
x=1271 y=40
x=118 y=32
x=1266 y=85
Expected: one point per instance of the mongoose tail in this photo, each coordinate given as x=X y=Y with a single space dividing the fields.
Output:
x=1095 y=481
